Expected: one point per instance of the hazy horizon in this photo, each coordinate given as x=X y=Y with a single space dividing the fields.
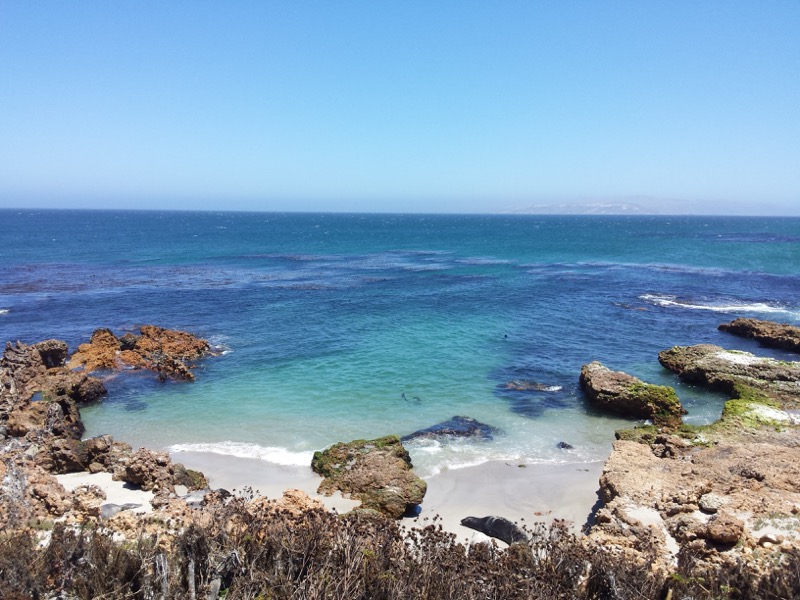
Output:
x=414 y=107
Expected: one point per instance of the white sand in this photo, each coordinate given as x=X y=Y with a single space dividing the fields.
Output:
x=530 y=494
x=526 y=495
x=266 y=479
x=117 y=492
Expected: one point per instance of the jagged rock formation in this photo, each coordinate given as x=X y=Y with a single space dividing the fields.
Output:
x=376 y=472
x=768 y=333
x=40 y=436
x=38 y=369
x=624 y=394
x=166 y=351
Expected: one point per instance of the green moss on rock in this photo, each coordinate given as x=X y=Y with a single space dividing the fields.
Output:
x=377 y=472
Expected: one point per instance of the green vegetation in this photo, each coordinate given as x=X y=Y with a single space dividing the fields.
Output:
x=338 y=457
x=662 y=400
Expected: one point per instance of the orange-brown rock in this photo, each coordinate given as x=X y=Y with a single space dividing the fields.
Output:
x=724 y=529
x=168 y=352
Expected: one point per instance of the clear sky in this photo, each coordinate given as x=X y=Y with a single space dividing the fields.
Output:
x=403 y=105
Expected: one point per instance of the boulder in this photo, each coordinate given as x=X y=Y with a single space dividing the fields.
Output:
x=767 y=333
x=62 y=455
x=626 y=395
x=723 y=528
x=86 y=501
x=189 y=478
x=711 y=503
x=151 y=471
x=376 y=472
x=458 y=427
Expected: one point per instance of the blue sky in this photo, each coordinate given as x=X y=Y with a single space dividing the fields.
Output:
x=401 y=106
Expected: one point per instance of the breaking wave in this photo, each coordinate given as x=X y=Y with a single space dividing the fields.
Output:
x=725 y=305
x=272 y=454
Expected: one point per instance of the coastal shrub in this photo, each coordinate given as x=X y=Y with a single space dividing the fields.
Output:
x=245 y=551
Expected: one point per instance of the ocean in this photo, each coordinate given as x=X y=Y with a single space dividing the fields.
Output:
x=334 y=327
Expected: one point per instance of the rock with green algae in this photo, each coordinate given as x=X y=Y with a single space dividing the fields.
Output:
x=742 y=375
x=376 y=472
x=624 y=394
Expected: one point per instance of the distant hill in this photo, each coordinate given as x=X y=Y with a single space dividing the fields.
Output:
x=654 y=206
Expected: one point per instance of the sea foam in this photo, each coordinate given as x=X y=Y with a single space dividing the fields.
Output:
x=729 y=306
x=272 y=454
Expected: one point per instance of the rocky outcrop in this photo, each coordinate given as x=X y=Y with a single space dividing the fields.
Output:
x=724 y=493
x=739 y=374
x=41 y=429
x=38 y=394
x=626 y=395
x=703 y=496
x=767 y=333
x=457 y=427
x=376 y=472
x=167 y=352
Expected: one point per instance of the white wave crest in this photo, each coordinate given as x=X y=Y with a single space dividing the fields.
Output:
x=4 y=311
x=272 y=454
x=727 y=307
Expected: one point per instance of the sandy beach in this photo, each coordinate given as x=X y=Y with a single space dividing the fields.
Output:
x=526 y=494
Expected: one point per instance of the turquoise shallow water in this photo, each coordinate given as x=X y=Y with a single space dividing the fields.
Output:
x=326 y=321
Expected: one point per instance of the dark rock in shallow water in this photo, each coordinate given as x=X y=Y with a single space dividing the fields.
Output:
x=496 y=527
x=564 y=446
x=462 y=427
x=525 y=385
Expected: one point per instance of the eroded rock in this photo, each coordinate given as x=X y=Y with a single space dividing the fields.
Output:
x=723 y=528
x=626 y=395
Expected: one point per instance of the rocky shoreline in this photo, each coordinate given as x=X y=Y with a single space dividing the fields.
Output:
x=723 y=495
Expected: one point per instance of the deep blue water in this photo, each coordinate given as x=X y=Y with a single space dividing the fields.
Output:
x=327 y=320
